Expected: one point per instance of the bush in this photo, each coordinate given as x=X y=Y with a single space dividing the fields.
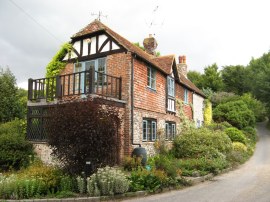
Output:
x=250 y=133
x=219 y=126
x=84 y=131
x=236 y=135
x=239 y=146
x=15 y=127
x=107 y=181
x=202 y=166
x=15 y=152
x=148 y=180
x=168 y=165
x=201 y=142
x=239 y=153
x=234 y=112
x=131 y=163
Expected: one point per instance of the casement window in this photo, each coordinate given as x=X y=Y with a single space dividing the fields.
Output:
x=186 y=96
x=170 y=94
x=149 y=130
x=151 y=78
x=78 y=81
x=170 y=130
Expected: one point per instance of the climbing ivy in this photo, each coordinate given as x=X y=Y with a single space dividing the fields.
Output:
x=56 y=64
x=207 y=112
x=186 y=123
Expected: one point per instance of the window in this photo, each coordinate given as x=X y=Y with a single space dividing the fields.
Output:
x=170 y=130
x=151 y=78
x=170 y=93
x=186 y=96
x=98 y=64
x=170 y=86
x=149 y=130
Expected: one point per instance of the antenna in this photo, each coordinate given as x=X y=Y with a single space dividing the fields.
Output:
x=99 y=15
x=153 y=23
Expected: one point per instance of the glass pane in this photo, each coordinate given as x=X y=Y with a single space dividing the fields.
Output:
x=153 y=83
x=166 y=131
x=144 y=130
x=153 y=130
x=148 y=130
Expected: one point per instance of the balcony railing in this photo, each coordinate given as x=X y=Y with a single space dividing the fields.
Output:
x=79 y=83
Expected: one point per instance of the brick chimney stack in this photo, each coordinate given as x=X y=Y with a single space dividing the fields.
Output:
x=182 y=66
x=150 y=44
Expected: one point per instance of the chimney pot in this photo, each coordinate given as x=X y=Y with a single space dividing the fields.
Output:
x=180 y=59
x=184 y=59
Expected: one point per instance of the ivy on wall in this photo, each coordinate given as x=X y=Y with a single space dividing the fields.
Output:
x=56 y=64
x=207 y=112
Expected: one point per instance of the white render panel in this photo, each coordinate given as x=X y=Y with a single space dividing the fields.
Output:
x=73 y=55
x=198 y=106
x=93 y=45
x=66 y=57
x=77 y=46
x=101 y=39
x=106 y=47
x=115 y=46
x=85 y=47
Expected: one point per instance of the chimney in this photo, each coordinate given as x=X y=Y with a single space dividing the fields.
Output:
x=182 y=66
x=150 y=44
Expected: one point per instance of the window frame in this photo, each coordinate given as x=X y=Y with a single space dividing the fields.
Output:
x=149 y=126
x=151 y=78
x=170 y=130
x=185 y=96
x=171 y=86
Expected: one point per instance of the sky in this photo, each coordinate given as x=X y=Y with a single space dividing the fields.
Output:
x=226 y=32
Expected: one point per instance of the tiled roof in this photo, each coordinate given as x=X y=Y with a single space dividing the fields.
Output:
x=163 y=63
x=185 y=81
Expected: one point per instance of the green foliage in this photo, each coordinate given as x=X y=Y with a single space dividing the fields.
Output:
x=107 y=181
x=207 y=114
x=219 y=126
x=148 y=180
x=202 y=165
x=234 y=112
x=212 y=79
x=77 y=132
x=11 y=100
x=14 y=149
x=36 y=181
x=201 y=142
x=223 y=97
x=56 y=64
x=234 y=79
x=236 y=135
x=168 y=165
x=196 y=78
x=250 y=133
x=131 y=163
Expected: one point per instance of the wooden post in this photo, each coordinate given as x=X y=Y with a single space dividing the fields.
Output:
x=58 y=87
x=30 y=89
x=120 y=88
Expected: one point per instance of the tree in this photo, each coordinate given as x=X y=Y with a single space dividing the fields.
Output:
x=10 y=106
x=234 y=79
x=211 y=78
x=196 y=78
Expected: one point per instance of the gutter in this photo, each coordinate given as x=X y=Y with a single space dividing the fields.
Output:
x=132 y=100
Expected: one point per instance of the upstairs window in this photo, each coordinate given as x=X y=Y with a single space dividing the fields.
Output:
x=151 y=78
x=149 y=130
x=170 y=85
x=186 y=96
x=170 y=130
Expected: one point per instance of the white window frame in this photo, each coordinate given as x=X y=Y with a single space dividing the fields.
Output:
x=186 y=96
x=149 y=135
x=170 y=130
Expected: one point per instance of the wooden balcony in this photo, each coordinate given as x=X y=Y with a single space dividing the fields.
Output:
x=75 y=84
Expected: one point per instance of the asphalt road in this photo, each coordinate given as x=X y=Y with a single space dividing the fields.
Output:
x=249 y=183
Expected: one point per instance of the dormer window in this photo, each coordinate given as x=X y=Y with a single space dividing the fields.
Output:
x=170 y=94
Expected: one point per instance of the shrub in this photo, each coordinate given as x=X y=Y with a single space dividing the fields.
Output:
x=236 y=135
x=239 y=146
x=15 y=152
x=234 y=112
x=219 y=126
x=84 y=131
x=207 y=113
x=168 y=165
x=201 y=142
x=239 y=153
x=107 y=181
x=15 y=127
x=250 y=133
x=131 y=163
x=202 y=165
x=148 y=180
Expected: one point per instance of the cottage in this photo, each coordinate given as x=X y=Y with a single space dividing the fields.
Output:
x=146 y=87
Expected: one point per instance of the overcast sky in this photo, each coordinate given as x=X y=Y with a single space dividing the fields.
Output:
x=226 y=32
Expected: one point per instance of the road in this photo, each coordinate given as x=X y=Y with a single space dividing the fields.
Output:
x=249 y=183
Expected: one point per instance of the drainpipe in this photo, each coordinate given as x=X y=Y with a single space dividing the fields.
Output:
x=132 y=100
